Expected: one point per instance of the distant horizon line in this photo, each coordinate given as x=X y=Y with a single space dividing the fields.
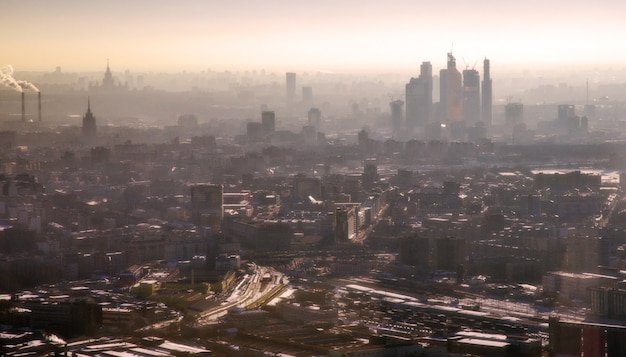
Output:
x=335 y=69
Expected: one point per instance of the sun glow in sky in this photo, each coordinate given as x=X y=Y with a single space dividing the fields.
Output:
x=324 y=34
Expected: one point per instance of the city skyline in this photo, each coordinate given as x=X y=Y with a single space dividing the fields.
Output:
x=354 y=178
x=349 y=35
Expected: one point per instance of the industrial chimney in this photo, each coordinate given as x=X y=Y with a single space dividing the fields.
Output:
x=39 y=105
x=23 y=108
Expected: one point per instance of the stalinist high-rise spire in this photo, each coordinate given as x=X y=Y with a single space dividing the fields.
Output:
x=89 y=123
x=108 y=82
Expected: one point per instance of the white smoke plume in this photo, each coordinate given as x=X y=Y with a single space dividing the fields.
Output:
x=7 y=80
x=25 y=85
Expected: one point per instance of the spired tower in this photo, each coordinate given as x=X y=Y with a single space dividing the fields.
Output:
x=107 y=81
x=89 y=124
x=487 y=94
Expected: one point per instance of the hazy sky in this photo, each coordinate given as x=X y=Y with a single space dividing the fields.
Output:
x=306 y=35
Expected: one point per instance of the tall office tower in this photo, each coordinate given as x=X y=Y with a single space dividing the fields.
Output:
x=364 y=138
x=419 y=98
x=268 y=122
x=426 y=73
x=396 y=118
x=291 y=88
x=454 y=92
x=315 y=118
x=255 y=131
x=471 y=97
x=370 y=172
x=443 y=96
x=89 y=124
x=487 y=94
x=207 y=204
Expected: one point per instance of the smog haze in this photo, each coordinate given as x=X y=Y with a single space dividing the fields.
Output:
x=321 y=35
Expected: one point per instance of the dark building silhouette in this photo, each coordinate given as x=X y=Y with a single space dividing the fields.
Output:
x=254 y=131
x=7 y=140
x=487 y=94
x=39 y=106
x=585 y=253
x=415 y=250
x=89 y=124
x=477 y=132
x=309 y=135
x=450 y=252
x=471 y=97
x=290 y=78
x=188 y=122
x=100 y=155
x=396 y=117
x=514 y=114
x=370 y=172
x=580 y=338
x=419 y=98
x=566 y=118
x=23 y=108
x=315 y=118
x=569 y=123
x=207 y=204
x=565 y=112
x=67 y=318
x=561 y=182
x=304 y=187
x=608 y=302
x=268 y=122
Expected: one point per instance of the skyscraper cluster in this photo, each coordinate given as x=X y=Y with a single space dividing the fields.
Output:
x=462 y=104
x=419 y=98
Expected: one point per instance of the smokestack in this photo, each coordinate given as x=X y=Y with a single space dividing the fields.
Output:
x=23 y=108
x=39 y=105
